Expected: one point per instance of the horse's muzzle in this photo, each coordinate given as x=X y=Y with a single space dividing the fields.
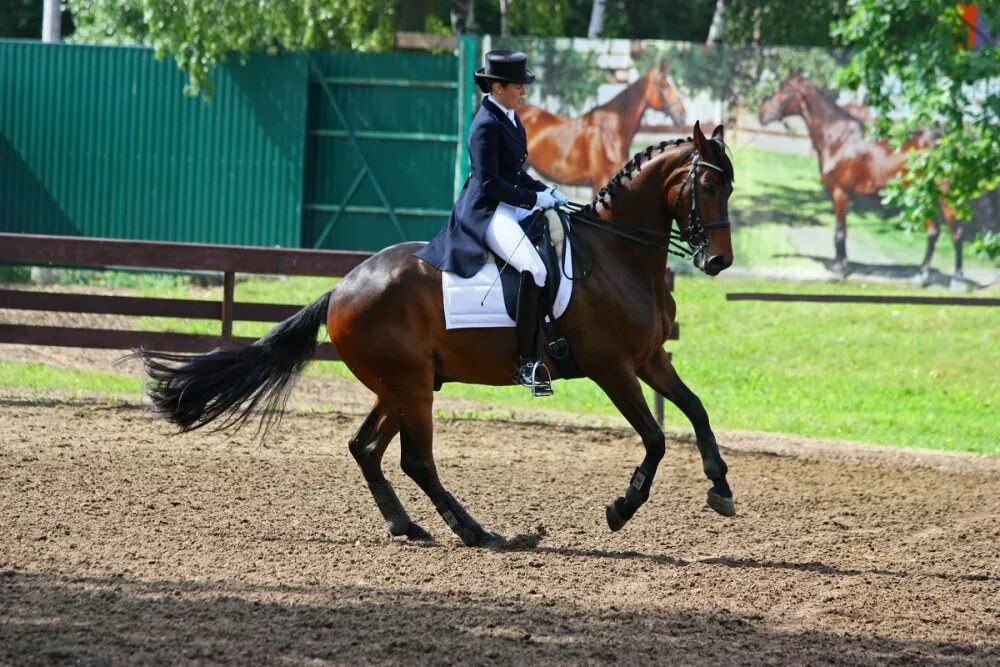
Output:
x=713 y=265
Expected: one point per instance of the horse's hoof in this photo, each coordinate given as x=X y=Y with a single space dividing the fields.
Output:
x=415 y=532
x=615 y=520
x=723 y=506
x=491 y=540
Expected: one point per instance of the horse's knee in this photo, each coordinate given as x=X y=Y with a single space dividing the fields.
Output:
x=416 y=467
x=656 y=447
x=359 y=449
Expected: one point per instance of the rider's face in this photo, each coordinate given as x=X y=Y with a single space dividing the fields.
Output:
x=509 y=95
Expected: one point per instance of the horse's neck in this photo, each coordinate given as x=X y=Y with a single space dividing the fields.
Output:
x=629 y=258
x=631 y=207
x=629 y=104
x=822 y=116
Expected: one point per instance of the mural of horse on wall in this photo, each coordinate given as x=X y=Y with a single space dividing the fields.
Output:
x=588 y=150
x=850 y=164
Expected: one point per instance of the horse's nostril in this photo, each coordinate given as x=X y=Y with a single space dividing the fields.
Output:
x=715 y=265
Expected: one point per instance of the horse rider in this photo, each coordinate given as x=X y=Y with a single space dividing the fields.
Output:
x=497 y=196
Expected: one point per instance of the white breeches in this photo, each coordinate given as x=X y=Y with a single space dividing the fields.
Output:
x=506 y=238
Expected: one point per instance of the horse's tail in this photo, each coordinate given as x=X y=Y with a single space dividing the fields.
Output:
x=194 y=390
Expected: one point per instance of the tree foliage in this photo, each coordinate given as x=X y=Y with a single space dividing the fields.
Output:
x=21 y=18
x=782 y=22
x=741 y=76
x=911 y=59
x=623 y=19
x=568 y=77
x=200 y=33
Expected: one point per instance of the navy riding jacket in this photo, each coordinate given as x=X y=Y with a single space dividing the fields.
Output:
x=497 y=151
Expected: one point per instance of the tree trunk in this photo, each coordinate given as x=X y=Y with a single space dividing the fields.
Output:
x=504 y=18
x=632 y=13
x=717 y=31
x=51 y=21
x=463 y=21
x=597 y=19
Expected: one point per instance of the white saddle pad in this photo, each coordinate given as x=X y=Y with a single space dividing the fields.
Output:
x=477 y=302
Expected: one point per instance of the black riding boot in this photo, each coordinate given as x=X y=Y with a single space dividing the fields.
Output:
x=531 y=372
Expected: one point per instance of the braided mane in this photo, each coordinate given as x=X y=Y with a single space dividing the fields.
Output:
x=607 y=192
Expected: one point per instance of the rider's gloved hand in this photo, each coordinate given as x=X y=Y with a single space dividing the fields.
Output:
x=544 y=199
x=561 y=199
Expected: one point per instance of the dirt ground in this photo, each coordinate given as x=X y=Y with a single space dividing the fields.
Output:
x=121 y=542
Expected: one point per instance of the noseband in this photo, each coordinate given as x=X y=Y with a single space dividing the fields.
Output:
x=695 y=232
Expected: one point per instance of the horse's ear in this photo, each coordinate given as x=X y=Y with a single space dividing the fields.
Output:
x=699 y=137
x=719 y=133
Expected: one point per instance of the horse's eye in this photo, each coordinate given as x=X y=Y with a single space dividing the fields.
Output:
x=708 y=189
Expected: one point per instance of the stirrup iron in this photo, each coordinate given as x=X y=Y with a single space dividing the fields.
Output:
x=540 y=386
x=541 y=380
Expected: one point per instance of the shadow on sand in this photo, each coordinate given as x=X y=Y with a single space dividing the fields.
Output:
x=51 y=618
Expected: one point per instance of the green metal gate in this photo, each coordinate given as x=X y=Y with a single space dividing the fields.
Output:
x=385 y=147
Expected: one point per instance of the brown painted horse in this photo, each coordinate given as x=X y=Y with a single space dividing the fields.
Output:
x=385 y=318
x=588 y=150
x=849 y=164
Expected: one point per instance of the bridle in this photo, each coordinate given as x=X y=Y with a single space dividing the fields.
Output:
x=695 y=233
x=684 y=243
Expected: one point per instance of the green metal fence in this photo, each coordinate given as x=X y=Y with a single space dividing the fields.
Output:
x=99 y=141
x=330 y=150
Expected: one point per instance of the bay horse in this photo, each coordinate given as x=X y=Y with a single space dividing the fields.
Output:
x=589 y=149
x=850 y=164
x=386 y=320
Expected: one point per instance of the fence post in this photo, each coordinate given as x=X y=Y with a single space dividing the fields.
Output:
x=468 y=60
x=228 y=289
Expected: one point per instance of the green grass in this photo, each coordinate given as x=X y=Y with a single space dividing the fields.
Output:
x=297 y=290
x=900 y=375
x=19 y=375
x=921 y=376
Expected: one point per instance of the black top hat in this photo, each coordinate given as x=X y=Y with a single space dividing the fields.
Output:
x=507 y=66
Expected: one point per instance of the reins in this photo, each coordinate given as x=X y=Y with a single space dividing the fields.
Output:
x=684 y=244
x=580 y=213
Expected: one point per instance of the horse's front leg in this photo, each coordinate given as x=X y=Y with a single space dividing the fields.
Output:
x=623 y=388
x=659 y=374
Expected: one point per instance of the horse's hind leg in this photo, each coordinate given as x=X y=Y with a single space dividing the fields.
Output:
x=956 y=236
x=417 y=461
x=841 y=202
x=933 y=232
x=659 y=374
x=367 y=446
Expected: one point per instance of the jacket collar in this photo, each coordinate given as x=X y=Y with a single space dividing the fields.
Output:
x=516 y=133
